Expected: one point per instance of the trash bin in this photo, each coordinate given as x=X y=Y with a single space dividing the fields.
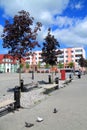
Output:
x=49 y=77
x=22 y=85
x=57 y=82
x=17 y=97
x=63 y=74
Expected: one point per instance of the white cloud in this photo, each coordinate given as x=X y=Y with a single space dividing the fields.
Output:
x=75 y=35
x=1 y=30
x=81 y=28
x=70 y=31
x=79 y=5
x=40 y=10
x=76 y=5
x=64 y=21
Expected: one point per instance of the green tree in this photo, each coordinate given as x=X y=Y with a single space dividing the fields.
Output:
x=47 y=66
x=39 y=64
x=21 y=65
x=60 y=65
x=19 y=36
x=71 y=64
x=27 y=66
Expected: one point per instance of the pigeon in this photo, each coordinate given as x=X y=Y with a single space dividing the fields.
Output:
x=28 y=124
x=55 y=110
x=39 y=119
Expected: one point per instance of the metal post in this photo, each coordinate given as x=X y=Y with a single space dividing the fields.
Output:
x=32 y=75
x=57 y=82
x=49 y=77
x=17 y=98
x=22 y=85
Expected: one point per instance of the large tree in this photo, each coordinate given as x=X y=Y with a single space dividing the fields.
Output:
x=50 y=50
x=19 y=36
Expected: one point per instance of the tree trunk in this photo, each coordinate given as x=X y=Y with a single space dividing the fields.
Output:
x=20 y=72
x=52 y=75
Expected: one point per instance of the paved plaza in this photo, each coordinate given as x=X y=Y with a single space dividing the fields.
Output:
x=10 y=80
x=70 y=101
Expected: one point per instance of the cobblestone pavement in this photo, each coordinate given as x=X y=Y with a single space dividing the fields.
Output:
x=70 y=101
x=10 y=80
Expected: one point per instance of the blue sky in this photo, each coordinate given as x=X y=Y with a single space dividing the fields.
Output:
x=67 y=18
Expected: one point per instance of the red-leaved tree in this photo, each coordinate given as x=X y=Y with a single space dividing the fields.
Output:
x=19 y=36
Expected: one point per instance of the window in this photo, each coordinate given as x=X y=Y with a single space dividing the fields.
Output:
x=76 y=60
x=66 y=51
x=61 y=56
x=40 y=57
x=78 y=55
x=79 y=50
x=61 y=61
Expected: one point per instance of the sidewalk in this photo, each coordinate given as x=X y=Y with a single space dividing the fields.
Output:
x=71 y=103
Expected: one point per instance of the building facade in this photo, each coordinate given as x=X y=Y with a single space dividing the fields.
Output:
x=8 y=64
x=71 y=55
x=68 y=55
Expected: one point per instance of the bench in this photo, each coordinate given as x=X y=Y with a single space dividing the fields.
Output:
x=67 y=81
x=50 y=87
x=7 y=104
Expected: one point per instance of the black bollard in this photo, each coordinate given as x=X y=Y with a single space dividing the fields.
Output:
x=17 y=97
x=79 y=76
x=49 y=77
x=22 y=85
x=57 y=82
x=32 y=75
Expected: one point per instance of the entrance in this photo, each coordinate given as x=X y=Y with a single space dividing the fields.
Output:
x=7 y=70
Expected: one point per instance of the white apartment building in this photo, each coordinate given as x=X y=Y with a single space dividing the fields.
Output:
x=7 y=64
x=68 y=55
x=35 y=58
x=71 y=55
